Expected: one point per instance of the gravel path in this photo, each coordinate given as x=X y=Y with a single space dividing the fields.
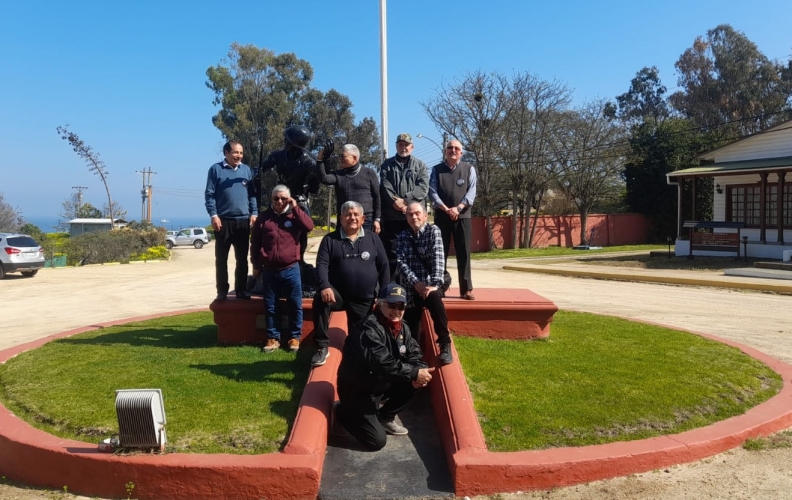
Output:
x=60 y=299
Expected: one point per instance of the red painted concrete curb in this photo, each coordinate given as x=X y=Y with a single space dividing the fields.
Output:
x=34 y=457
x=476 y=471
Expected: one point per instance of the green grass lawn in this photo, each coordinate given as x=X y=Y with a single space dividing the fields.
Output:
x=599 y=379
x=217 y=399
x=515 y=253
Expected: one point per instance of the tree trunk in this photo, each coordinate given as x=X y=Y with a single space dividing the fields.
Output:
x=514 y=219
x=490 y=236
x=583 y=222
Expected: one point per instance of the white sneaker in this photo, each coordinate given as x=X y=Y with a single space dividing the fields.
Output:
x=394 y=429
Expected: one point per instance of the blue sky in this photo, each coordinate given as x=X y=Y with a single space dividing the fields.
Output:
x=129 y=77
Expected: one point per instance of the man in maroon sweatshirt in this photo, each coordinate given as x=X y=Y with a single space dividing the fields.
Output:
x=275 y=253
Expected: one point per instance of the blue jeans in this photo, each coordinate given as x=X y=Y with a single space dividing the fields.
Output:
x=283 y=283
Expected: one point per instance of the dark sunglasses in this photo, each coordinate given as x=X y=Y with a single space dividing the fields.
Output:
x=276 y=198
x=397 y=305
x=453 y=148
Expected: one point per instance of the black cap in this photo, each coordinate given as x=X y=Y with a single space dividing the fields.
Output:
x=393 y=293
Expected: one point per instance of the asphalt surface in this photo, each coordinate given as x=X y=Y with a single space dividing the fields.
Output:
x=411 y=466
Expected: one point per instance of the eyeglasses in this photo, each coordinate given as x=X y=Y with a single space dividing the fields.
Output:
x=351 y=255
x=277 y=198
x=396 y=305
x=453 y=148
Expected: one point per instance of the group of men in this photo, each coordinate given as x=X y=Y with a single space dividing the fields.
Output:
x=382 y=236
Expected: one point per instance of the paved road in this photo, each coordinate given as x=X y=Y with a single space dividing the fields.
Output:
x=60 y=299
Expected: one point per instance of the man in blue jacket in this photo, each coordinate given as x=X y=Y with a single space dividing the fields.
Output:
x=232 y=206
x=351 y=266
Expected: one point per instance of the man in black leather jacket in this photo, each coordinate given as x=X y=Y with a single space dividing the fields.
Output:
x=381 y=364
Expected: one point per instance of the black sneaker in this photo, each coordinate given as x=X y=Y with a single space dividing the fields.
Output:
x=320 y=357
x=445 y=356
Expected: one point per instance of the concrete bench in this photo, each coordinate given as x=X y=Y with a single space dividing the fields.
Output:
x=242 y=322
x=496 y=313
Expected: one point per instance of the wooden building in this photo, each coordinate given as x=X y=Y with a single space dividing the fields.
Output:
x=751 y=189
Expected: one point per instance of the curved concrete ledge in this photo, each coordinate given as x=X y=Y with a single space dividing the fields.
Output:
x=667 y=280
x=37 y=458
x=477 y=471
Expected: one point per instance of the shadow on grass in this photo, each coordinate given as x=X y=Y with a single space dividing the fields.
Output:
x=172 y=337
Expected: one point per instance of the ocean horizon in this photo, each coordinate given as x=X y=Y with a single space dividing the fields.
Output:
x=47 y=224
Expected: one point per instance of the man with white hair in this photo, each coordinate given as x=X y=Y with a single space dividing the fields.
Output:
x=275 y=253
x=452 y=190
x=419 y=253
x=351 y=265
x=353 y=182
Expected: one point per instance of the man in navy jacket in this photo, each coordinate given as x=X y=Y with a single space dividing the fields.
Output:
x=351 y=265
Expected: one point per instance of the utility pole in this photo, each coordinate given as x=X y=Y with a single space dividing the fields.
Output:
x=146 y=192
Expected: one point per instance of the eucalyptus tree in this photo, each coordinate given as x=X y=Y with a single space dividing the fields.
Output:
x=729 y=85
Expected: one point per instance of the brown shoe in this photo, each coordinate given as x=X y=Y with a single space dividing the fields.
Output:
x=294 y=345
x=271 y=345
x=468 y=295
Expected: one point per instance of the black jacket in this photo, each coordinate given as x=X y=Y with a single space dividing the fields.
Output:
x=372 y=357
x=354 y=268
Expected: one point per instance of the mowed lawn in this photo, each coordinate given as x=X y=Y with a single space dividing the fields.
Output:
x=599 y=379
x=217 y=399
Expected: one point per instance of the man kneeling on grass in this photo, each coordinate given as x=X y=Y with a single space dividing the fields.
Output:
x=381 y=364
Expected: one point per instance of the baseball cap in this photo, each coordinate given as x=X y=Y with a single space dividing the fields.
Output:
x=404 y=137
x=393 y=293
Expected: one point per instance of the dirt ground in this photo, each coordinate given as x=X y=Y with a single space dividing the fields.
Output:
x=60 y=299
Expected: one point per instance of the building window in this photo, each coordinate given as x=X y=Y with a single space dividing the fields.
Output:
x=772 y=204
x=744 y=205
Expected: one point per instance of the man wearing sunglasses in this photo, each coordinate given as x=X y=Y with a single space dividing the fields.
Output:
x=351 y=265
x=275 y=253
x=380 y=373
x=419 y=253
x=452 y=190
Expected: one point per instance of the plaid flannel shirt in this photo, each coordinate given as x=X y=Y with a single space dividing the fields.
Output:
x=412 y=266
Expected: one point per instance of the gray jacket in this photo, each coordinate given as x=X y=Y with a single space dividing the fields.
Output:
x=410 y=182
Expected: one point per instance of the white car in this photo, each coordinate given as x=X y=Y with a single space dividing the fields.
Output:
x=20 y=253
x=195 y=236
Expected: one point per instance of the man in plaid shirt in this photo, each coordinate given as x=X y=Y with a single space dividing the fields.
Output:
x=421 y=262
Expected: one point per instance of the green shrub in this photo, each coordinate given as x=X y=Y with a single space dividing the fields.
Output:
x=111 y=246
x=158 y=252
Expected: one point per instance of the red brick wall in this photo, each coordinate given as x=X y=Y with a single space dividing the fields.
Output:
x=564 y=230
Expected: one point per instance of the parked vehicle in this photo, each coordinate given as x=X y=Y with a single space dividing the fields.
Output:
x=195 y=236
x=20 y=253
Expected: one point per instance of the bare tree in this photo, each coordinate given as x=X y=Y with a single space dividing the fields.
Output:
x=590 y=159
x=525 y=143
x=10 y=218
x=95 y=165
x=472 y=110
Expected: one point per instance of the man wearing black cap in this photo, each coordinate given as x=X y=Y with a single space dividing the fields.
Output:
x=382 y=362
x=404 y=179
